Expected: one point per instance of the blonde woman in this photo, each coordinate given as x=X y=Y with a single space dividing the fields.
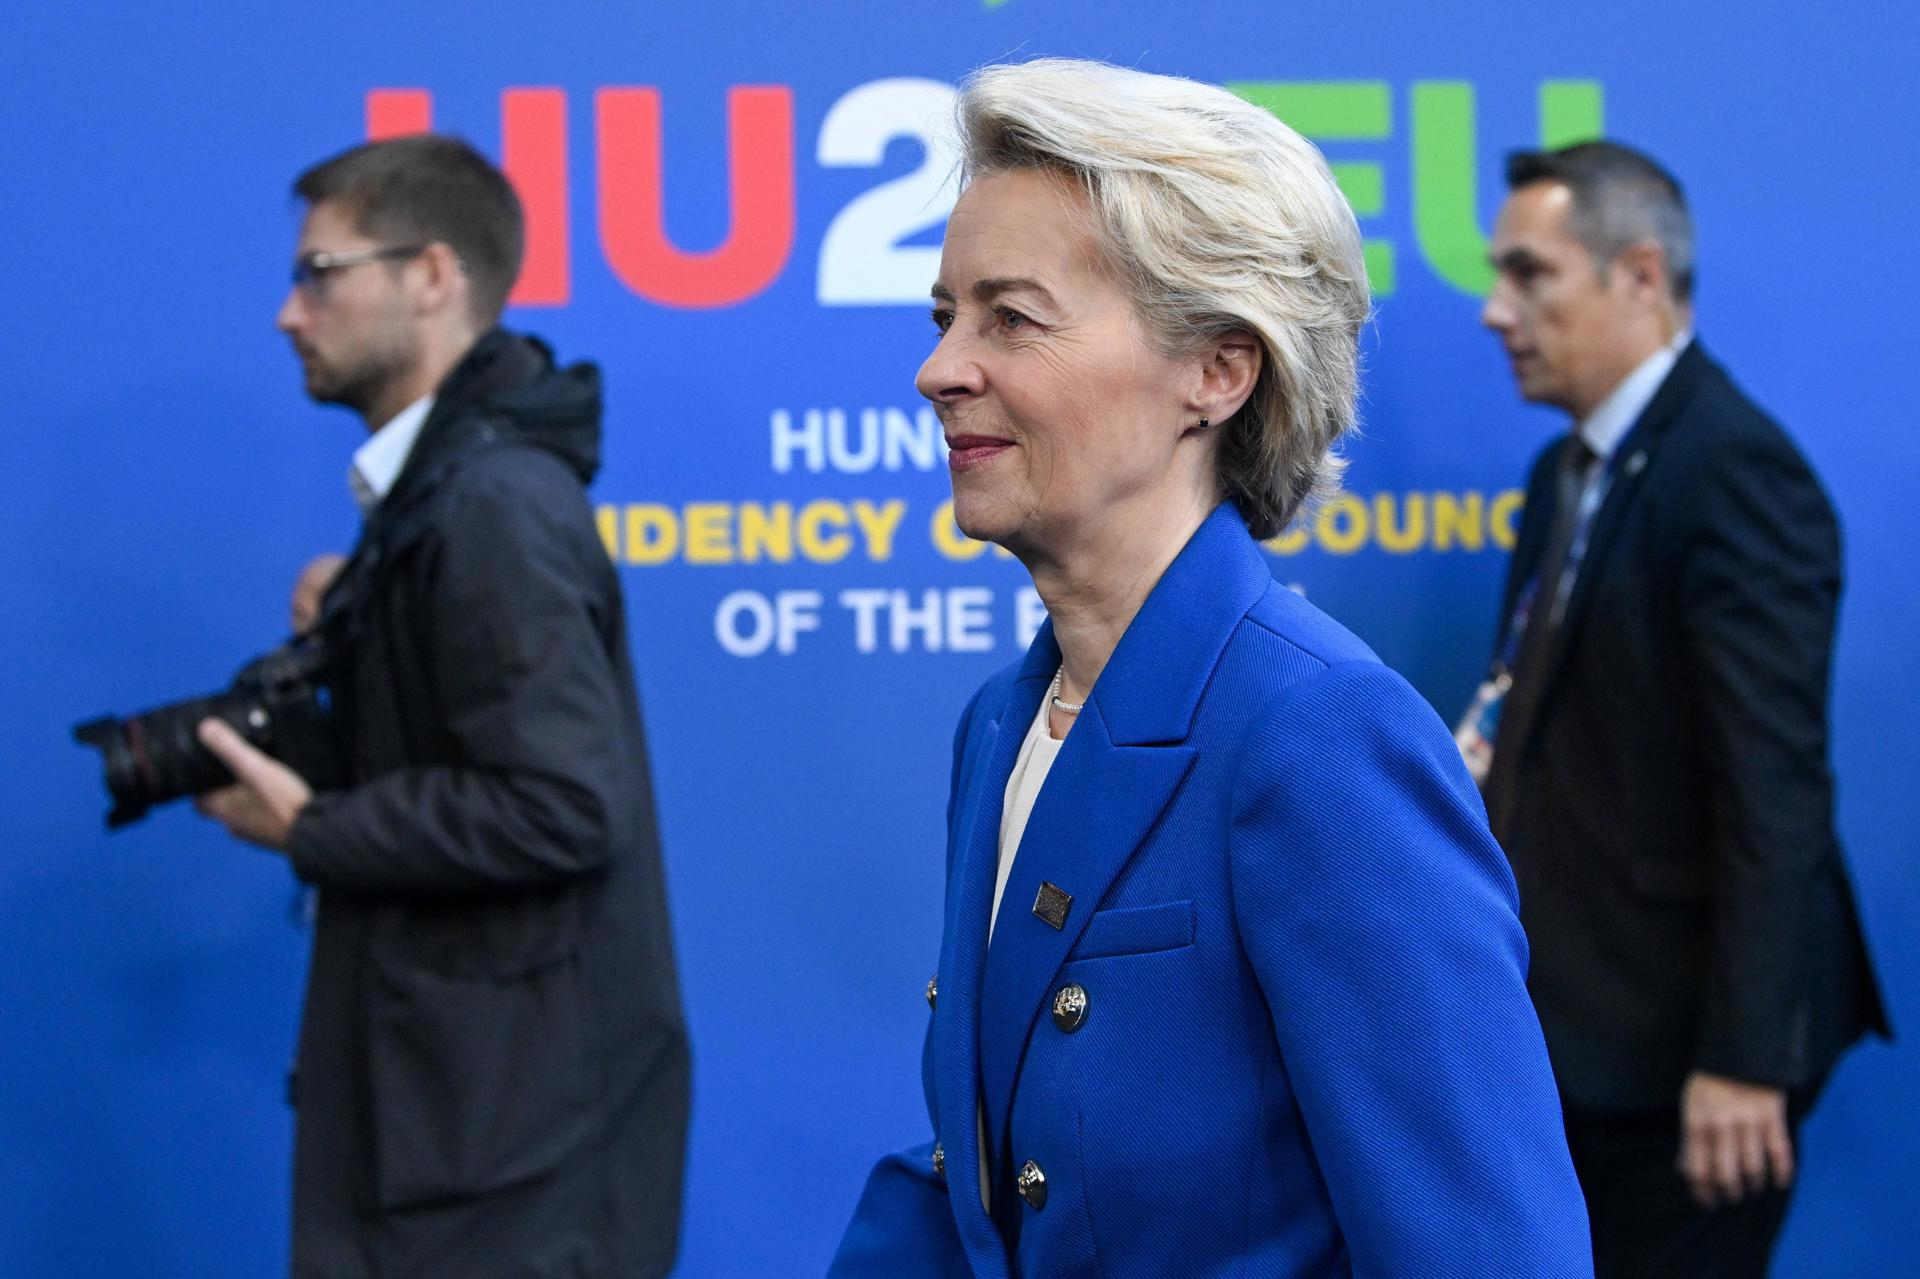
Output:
x=1232 y=981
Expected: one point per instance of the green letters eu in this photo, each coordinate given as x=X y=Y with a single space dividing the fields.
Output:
x=1446 y=176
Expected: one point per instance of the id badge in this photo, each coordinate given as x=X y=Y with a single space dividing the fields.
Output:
x=1477 y=728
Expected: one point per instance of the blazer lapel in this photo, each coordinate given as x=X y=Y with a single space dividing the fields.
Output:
x=956 y=1023
x=1098 y=804
x=1120 y=767
x=1630 y=466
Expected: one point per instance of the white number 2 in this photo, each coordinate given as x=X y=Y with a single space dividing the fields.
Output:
x=862 y=261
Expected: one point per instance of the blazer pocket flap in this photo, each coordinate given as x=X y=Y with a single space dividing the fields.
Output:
x=1136 y=930
x=1671 y=881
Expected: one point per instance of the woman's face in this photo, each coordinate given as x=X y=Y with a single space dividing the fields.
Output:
x=1060 y=414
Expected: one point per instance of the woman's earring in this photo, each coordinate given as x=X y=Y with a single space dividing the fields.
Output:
x=1202 y=426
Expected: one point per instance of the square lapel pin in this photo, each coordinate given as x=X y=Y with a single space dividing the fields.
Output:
x=1052 y=904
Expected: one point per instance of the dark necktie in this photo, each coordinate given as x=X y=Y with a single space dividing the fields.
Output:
x=1536 y=645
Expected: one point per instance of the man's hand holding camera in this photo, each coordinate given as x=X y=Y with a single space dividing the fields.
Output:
x=266 y=796
x=264 y=800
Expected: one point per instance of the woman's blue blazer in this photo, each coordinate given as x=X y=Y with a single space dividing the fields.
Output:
x=1306 y=1047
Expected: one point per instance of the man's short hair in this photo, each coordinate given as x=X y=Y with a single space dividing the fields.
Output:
x=1620 y=197
x=424 y=189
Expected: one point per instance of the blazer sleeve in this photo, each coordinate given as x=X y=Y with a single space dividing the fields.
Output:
x=903 y=1224
x=1758 y=595
x=528 y=694
x=1381 y=920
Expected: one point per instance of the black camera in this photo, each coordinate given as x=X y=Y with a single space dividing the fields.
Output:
x=279 y=702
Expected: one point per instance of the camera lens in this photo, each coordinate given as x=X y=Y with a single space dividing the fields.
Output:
x=156 y=756
x=279 y=702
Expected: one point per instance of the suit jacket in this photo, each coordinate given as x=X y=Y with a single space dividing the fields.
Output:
x=1673 y=826
x=1305 y=1048
x=493 y=1068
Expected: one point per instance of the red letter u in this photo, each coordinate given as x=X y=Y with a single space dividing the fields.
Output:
x=760 y=206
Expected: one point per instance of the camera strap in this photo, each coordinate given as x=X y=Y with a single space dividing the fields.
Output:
x=385 y=541
x=462 y=426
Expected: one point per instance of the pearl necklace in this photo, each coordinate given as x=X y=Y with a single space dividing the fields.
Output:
x=1053 y=695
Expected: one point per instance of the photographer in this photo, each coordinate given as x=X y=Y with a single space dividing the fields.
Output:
x=492 y=1075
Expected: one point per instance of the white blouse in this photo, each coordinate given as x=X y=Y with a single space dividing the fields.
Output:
x=1030 y=769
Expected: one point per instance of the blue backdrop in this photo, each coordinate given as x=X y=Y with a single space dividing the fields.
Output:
x=770 y=492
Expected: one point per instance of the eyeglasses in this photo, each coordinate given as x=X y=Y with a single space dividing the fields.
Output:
x=311 y=271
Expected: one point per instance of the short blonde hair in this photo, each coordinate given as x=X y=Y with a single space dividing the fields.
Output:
x=1217 y=217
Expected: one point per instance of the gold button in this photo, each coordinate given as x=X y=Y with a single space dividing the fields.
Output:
x=1070 y=1007
x=1032 y=1185
x=933 y=988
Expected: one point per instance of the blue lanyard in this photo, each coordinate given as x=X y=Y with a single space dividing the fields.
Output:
x=1592 y=496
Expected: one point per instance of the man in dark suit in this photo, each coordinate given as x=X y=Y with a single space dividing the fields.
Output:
x=1653 y=737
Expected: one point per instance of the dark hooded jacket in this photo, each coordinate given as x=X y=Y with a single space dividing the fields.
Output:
x=492 y=1077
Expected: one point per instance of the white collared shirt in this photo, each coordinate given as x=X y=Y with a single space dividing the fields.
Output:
x=378 y=462
x=1607 y=425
